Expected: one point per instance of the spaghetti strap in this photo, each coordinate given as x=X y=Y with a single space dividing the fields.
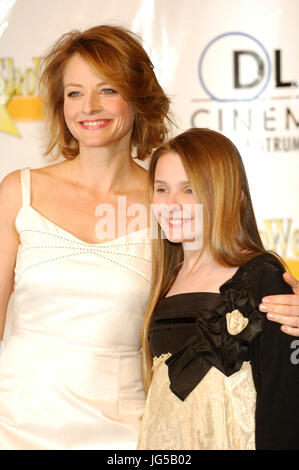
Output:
x=26 y=186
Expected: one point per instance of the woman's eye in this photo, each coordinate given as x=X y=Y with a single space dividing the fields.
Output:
x=160 y=190
x=189 y=191
x=73 y=94
x=108 y=91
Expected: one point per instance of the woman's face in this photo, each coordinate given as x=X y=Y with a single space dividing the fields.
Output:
x=174 y=206
x=94 y=111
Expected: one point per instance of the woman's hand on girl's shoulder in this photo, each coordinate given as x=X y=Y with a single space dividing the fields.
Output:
x=284 y=309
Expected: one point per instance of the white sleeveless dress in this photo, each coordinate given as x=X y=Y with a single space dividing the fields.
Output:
x=70 y=374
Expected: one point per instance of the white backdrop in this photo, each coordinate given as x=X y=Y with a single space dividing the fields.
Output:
x=231 y=66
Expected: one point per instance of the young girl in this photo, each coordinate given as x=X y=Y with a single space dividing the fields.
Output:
x=218 y=375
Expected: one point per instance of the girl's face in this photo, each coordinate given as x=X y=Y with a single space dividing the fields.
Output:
x=94 y=111
x=174 y=206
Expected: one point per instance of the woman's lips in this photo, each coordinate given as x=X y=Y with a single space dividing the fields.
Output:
x=95 y=124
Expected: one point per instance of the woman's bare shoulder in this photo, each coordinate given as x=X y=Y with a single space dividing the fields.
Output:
x=45 y=177
x=11 y=194
x=11 y=189
x=50 y=170
x=11 y=185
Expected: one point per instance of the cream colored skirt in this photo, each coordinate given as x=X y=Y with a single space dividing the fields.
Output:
x=218 y=414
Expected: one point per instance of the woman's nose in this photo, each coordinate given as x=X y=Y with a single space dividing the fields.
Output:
x=92 y=103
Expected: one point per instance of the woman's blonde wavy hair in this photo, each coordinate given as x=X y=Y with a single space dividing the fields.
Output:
x=117 y=54
x=218 y=181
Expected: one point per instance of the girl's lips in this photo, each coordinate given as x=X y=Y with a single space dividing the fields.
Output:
x=177 y=222
x=95 y=124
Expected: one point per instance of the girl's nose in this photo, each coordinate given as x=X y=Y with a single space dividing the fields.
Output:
x=173 y=200
x=173 y=204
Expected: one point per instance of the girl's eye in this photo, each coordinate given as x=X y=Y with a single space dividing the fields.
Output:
x=189 y=191
x=160 y=190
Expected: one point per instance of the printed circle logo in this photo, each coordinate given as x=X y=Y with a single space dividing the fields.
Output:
x=234 y=66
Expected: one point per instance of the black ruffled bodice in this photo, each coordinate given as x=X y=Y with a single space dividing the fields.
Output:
x=193 y=327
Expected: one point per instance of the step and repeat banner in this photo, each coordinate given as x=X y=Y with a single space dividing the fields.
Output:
x=231 y=66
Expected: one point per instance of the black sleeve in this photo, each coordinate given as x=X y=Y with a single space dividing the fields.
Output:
x=276 y=375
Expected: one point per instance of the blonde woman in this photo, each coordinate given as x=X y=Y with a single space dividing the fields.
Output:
x=218 y=374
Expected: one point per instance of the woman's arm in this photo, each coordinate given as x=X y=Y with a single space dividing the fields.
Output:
x=10 y=203
x=276 y=376
x=284 y=309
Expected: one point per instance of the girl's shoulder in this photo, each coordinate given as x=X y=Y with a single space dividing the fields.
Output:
x=266 y=261
x=261 y=275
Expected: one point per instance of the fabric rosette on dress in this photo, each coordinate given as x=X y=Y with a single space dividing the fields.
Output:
x=213 y=344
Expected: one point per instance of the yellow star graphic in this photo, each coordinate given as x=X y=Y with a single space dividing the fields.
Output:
x=7 y=124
